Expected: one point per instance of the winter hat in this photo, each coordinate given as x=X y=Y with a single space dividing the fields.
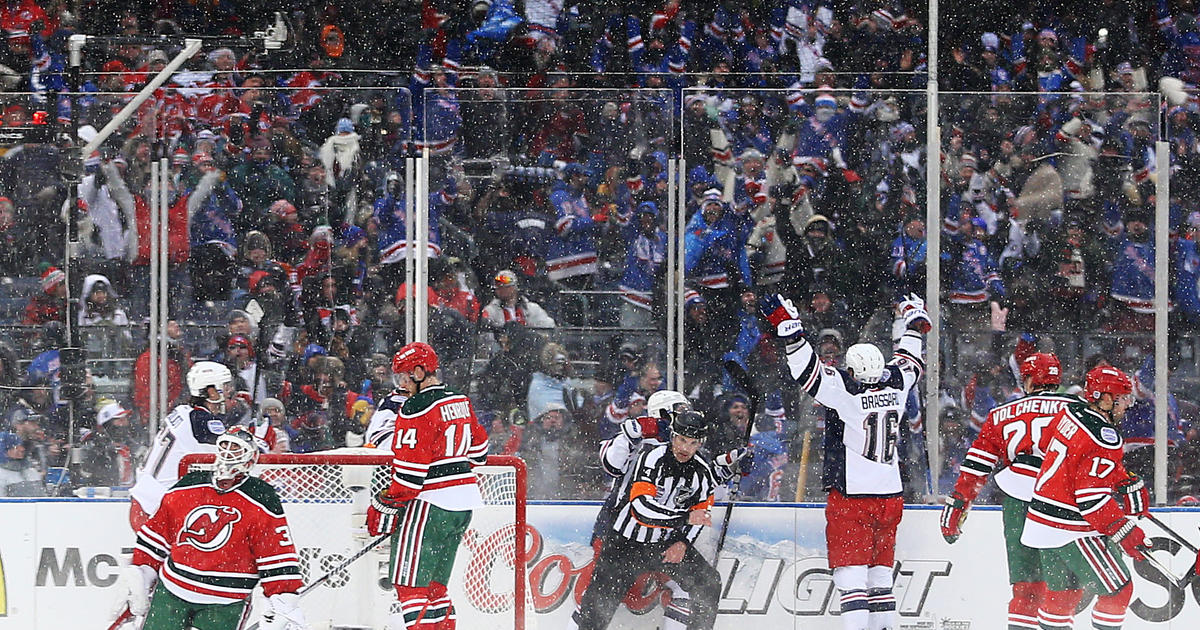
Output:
x=712 y=195
x=825 y=99
x=691 y=298
x=968 y=160
x=283 y=208
x=109 y=412
x=345 y=125
x=179 y=157
x=51 y=277
x=350 y=234
x=272 y=403
x=314 y=350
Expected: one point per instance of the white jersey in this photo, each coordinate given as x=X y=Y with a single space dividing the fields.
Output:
x=186 y=430
x=382 y=426
x=862 y=422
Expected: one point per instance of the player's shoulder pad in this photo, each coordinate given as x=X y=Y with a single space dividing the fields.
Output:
x=1096 y=425
x=263 y=494
x=420 y=403
x=193 y=479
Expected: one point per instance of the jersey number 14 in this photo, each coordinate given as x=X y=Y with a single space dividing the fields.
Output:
x=882 y=435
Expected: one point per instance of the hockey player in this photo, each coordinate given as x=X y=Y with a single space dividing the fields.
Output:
x=1010 y=443
x=863 y=407
x=657 y=522
x=215 y=535
x=190 y=428
x=1081 y=499
x=436 y=443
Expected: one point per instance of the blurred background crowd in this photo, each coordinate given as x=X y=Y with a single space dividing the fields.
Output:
x=553 y=128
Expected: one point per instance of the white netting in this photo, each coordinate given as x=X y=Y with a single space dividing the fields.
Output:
x=325 y=496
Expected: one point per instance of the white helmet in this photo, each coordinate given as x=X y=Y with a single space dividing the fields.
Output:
x=237 y=452
x=207 y=374
x=666 y=400
x=866 y=362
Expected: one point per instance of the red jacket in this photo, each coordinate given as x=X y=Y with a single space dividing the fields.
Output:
x=177 y=231
x=141 y=381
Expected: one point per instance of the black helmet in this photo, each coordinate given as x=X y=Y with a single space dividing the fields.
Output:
x=690 y=424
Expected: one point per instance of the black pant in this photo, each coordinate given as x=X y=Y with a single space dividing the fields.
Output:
x=622 y=560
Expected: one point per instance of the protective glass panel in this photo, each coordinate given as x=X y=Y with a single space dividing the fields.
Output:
x=1047 y=246
x=816 y=196
x=547 y=259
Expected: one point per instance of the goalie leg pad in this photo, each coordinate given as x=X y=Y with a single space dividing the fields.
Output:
x=1057 y=611
x=1023 y=607
x=1109 y=611
x=851 y=581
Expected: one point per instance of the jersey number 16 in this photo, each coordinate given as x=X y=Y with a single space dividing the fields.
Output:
x=881 y=436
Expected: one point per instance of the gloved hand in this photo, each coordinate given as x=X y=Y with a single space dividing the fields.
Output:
x=912 y=310
x=782 y=314
x=1133 y=496
x=134 y=584
x=638 y=428
x=1132 y=539
x=283 y=613
x=953 y=515
x=731 y=459
x=384 y=514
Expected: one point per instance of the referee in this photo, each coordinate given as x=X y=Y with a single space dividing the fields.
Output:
x=669 y=503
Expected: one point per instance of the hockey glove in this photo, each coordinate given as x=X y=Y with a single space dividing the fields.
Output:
x=731 y=459
x=1126 y=533
x=283 y=613
x=953 y=516
x=638 y=428
x=384 y=514
x=912 y=310
x=1133 y=496
x=782 y=315
x=133 y=587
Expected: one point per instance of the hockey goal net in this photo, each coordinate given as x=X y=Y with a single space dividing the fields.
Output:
x=325 y=496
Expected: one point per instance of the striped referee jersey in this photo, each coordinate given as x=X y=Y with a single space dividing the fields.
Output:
x=664 y=491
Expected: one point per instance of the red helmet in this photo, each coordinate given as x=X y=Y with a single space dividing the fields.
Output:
x=1043 y=368
x=414 y=354
x=1106 y=379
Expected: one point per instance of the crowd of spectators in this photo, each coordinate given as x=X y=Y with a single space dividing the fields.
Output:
x=551 y=128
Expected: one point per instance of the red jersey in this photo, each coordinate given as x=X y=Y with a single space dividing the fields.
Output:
x=211 y=547
x=1073 y=494
x=1011 y=442
x=437 y=442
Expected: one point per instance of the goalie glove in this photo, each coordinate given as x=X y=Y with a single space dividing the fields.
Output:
x=912 y=311
x=1126 y=533
x=953 y=515
x=283 y=613
x=384 y=514
x=133 y=590
x=782 y=315
x=638 y=428
x=1133 y=496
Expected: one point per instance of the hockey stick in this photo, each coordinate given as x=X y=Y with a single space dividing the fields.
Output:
x=739 y=376
x=121 y=619
x=1172 y=533
x=1175 y=580
x=341 y=567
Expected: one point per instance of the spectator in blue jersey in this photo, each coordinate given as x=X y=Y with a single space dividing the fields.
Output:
x=715 y=261
x=908 y=257
x=572 y=257
x=1133 y=274
x=973 y=277
x=645 y=255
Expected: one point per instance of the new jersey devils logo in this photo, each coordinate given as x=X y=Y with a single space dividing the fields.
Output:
x=209 y=527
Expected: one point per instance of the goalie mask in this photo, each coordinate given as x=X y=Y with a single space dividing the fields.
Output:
x=237 y=452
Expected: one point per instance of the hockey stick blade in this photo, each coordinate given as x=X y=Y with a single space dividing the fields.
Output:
x=341 y=567
x=739 y=376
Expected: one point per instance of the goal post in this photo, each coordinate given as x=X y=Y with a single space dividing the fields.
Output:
x=325 y=496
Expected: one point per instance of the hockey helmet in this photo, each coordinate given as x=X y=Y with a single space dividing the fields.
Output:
x=866 y=362
x=237 y=452
x=413 y=355
x=1042 y=368
x=665 y=404
x=205 y=374
x=690 y=424
x=1106 y=379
